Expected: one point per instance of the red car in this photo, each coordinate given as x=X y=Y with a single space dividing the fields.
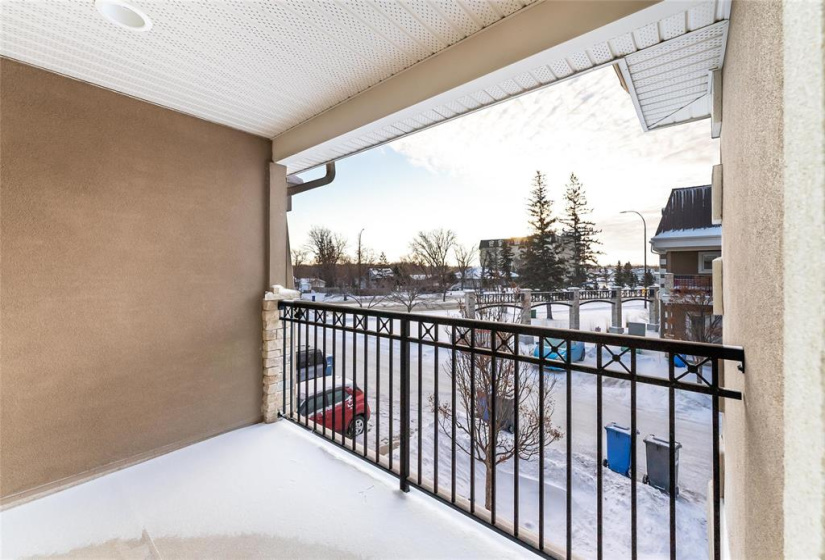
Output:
x=344 y=409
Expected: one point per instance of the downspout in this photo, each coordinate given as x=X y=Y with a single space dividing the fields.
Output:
x=294 y=184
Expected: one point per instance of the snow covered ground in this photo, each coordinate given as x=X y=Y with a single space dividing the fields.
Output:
x=266 y=491
x=693 y=431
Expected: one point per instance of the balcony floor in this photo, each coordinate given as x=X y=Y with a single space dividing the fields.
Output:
x=272 y=491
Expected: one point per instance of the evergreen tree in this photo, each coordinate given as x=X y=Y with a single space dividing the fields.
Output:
x=490 y=266
x=505 y=261
x=382 y=261
x=618 y=275
x=629 y=276
x=581 y=231
x=541 y=270
x=649 y=279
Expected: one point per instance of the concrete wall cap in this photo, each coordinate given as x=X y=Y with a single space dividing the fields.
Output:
x=279 y=292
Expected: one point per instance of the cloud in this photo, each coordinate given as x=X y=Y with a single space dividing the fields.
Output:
x=587 y=125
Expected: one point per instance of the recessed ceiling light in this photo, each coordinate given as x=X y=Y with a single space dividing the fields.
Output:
x=124 y=15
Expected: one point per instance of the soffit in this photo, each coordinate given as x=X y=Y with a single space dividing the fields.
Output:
x=255 y=65
x=669 y=49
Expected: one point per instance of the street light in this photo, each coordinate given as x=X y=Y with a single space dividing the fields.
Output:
x=644 y=246
x=360 y=255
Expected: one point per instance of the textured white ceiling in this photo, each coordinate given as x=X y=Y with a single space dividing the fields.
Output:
x=261 y=66
x=267 y=66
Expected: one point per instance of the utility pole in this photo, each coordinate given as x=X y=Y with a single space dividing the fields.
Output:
x=360 y=257
x=644 y=246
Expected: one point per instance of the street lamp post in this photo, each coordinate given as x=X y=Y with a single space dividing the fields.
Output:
x=644 y=246
x=360 y=255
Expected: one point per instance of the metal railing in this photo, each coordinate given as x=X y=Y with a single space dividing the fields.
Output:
x=442 y=400
x=692 y=282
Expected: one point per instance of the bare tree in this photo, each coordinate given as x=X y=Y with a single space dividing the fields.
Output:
x=464 y=258
x=432 y=250
x=300 y=257
x=328 y=250
x=479 y=380
x=696 y=316
x=408 y=290
x=368 y=301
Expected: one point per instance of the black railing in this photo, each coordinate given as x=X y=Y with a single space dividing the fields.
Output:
x=450 y=404
x=692 y=282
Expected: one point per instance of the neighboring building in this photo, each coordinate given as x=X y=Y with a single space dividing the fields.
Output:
x=687 y=242
x=489 y=253
x=310 y=284
x=381 y=277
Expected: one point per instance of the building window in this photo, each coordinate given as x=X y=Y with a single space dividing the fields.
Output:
x=706 y=261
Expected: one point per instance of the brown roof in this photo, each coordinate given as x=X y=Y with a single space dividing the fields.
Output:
x=687 y=208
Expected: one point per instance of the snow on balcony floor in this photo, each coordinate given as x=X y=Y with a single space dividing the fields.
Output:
x=271 y=491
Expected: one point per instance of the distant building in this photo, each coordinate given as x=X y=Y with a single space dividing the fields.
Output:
x=310 y=284
x=381 y=277
x=489 y=252
x=687 y=241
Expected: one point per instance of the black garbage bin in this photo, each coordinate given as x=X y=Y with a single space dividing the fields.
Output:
x=658 y=463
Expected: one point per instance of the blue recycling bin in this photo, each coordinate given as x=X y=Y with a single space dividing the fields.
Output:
x=618 y=449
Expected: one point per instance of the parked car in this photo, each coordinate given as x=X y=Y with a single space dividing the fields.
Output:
x=312 y=363
x=576 y=351
x=342 y=409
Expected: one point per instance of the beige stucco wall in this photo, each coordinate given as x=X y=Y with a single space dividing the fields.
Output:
x=134 y=257
x=751 y=146
x=804 y=288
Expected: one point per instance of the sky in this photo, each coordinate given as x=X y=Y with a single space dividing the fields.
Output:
x=473 y=175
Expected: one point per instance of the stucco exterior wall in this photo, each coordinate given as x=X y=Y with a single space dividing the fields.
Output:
x=134 y=257
x=752 y=245
x=804 y=287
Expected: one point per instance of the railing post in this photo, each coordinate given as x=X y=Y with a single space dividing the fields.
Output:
x=470 y=305
x=654 y=307
x=405 y=405
x=526 y=306
x=617 y=312
x=668 y=287
x=575 y=304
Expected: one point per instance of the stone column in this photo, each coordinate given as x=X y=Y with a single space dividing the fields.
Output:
x=668 y=283
x=617 y=312
x=575 y=307
x=654 y=307
x=470 y=305
x=526 y=306
x=275 y=339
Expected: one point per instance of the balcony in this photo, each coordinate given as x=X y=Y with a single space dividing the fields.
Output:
x=530 y=406
x=687 y=286
x=266 y=491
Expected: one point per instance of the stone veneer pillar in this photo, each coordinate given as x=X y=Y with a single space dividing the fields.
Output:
x=526 y=306
x=272 y=352
x=617 y=327
x=575 y=309
x=654 y=307
x=470 y=305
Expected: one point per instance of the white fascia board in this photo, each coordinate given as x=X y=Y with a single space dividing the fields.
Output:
x=702 y=243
